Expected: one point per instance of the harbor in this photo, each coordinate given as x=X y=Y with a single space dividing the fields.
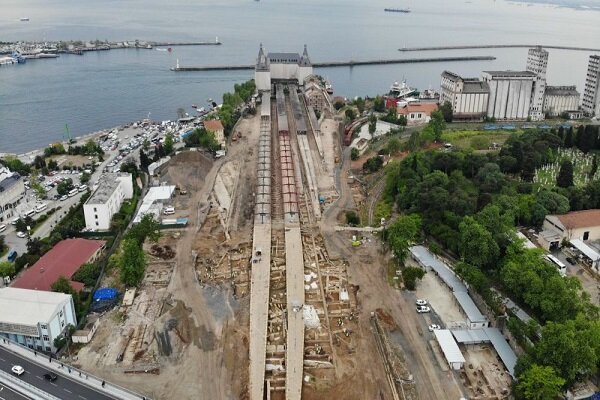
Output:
x=332 y=64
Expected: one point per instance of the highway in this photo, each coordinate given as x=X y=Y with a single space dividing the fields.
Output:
x=63 y=388
x=7 y=393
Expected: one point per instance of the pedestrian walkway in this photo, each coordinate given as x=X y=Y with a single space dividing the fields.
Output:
x=77 y=375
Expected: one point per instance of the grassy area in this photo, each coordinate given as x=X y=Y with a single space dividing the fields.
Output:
x=582 y=165
x=476 y=139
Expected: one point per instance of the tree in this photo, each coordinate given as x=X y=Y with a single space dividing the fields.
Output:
x=477 y=246
x=393 y=146
x=359 y=102
x=565 y=175
x=352 y=218
x=34 y=246
x=437 y=124
x=594 y=167
x=354 y=154
x=133 y=262
x=148 y=227
x=65 y=186
x=85 y=178
x=372 y=124
x=350 y=114
x=7 y=269
x=379 y=104
x=447 y=112
x=401 y=233
x=539 y=383
x=62 y=285
x=410 y=275
x=373 y=164
x=23 y=223
x=169 y=142
x=87 y=274
x=338 y=105
x=569 y=137
x=38 y=162
x=2 y=243
x=144 y=160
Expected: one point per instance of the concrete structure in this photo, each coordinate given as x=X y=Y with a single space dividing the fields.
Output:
x=35 y=318
x=281 y=67
x=316 y=96
x=537 y=62
x=560 y=99
x=591 y=95
x=12 y=191
x=450 y=349
x=152 y=203
x=106 y=200
x=475 y=319
x=469 y=97
x=64 y=259
x=86 y=334
x=418 y=112
x=493 y=336
x=584 y=225
x=216 y=127
x=510 y=94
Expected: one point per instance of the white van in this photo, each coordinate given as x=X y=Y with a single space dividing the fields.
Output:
x=82 y=188
x=29 y=213
x=40 y=207
x=169 y=210
x=2 y=227
x=73 y=192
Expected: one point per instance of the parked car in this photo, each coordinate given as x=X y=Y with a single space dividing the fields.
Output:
x=63 y=197
x=421 y=302
x=21 y=234
x=169 y=210
x=17 y=370
x=433 y=327
x=423 y=309
x=571 y=260
x=49 y=376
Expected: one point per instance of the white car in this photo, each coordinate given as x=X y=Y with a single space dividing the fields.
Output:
x=63 y=197
x=17 y=370
x=169 y=211
x=423 y=309
x=421 y=302
x=433 y=327
x=21 y=234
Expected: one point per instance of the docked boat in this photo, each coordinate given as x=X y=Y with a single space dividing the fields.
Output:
x=194 y=106
x=397 y=10
x=7 y=61
x=328 y=87
x=401 y=90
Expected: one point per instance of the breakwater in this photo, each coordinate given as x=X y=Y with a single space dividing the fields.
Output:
x=351 y=63
x=496 y=46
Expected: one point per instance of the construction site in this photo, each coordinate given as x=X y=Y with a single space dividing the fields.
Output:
x=263 y=294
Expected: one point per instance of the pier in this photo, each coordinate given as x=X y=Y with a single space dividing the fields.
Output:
x=332 y=64
x=496 y=46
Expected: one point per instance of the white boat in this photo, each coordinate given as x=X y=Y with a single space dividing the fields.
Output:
x=401 y=90
x=7 y=61
x=24 y=19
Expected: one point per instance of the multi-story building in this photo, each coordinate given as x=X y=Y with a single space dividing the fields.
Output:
x=469 y=97
x=510 y=94
x=560 y=99
x=316 y=96
x=281 y=67
x=216 y=127
x=12 y=190
x=591 y=95
x=35 y=318
x=537 y=62
x=106 y=200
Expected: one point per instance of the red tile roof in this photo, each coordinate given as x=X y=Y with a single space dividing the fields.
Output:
x=426 y=108
x=580 y=219
x=213 y=125
x=64 y=259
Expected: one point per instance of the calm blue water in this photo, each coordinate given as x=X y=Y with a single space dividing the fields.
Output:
x=104 y=89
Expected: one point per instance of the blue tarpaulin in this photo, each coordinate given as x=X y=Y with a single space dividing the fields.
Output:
x=105 y=294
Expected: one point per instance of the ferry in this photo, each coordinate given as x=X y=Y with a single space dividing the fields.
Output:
x=398 y=10
x=401 y=90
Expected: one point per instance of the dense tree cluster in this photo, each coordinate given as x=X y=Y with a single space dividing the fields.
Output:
x=471 y=204
x=230 y=111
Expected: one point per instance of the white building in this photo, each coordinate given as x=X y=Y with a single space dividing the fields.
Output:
x=560 y=99
x=510 y=94
x=469 y=97
x=153 y=202
x=591 y=95
x=12 y=191
x=106 y=200
x=34 y=318
x=282 y=67
x=537 y=62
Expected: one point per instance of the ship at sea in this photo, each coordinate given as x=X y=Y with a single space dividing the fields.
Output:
x=398 y=10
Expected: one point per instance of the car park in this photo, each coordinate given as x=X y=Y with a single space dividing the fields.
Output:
x=433 y=327
x=17 y=370
x=49 y=376
x=423 y=309
x=421 y=302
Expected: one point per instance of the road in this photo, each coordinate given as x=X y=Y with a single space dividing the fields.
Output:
x=63 y=387
x=7 y=393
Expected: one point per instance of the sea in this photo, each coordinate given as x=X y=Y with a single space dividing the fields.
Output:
x=101 y=90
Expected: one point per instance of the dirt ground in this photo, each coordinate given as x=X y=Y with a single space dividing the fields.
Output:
x=64 y=160
x=441 y=300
